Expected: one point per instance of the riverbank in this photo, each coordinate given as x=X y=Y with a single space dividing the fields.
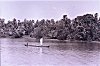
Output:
x=29 y=39
x=56 y=40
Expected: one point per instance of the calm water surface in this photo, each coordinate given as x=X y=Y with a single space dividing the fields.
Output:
x=14 y=53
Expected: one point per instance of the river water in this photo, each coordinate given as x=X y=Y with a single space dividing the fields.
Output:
x=60 y=53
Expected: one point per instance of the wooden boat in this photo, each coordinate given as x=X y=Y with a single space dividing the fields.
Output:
x=36 y=45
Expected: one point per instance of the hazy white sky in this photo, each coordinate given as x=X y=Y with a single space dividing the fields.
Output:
x=47 y=9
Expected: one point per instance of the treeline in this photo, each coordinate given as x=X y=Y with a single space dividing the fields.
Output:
x=85 y=28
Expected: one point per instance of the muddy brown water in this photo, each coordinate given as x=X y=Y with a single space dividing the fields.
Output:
x=14 y=53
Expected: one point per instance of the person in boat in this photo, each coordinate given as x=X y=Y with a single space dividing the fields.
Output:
x=41 y=41
x=26 y=44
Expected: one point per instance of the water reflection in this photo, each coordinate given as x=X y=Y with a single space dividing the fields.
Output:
x=78 y=46
x=14 y=53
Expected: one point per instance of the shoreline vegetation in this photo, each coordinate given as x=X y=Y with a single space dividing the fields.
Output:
x=81 y=28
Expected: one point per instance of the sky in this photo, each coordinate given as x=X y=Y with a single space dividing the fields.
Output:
x=47 y=9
